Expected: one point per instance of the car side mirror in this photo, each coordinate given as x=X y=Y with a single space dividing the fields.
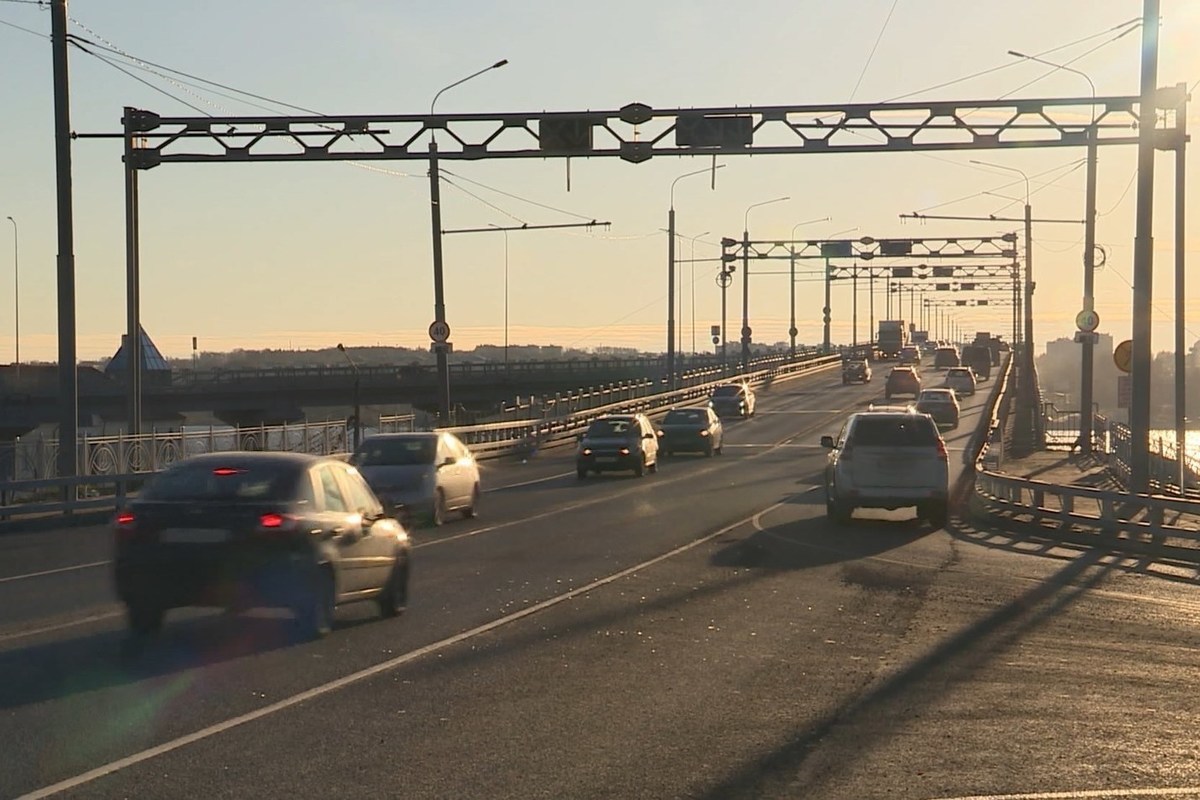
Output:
x=579 y=437
x=827 y=442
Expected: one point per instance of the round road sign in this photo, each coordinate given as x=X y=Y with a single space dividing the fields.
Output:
x=793 y=331
x=724 y=279
x=746 y=332
x=1123 y=356
x=716 y=340
x=1087 y=321
x=439 y=331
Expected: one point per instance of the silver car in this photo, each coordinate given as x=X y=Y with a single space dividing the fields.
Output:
x=885 y=459
x=425 y=475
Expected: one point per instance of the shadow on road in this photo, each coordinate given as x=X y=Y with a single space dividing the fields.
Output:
x=109 y=659
x=926 y=679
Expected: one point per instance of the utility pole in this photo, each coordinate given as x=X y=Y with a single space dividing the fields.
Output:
x=828 y=305
x=68 y=379
x=133 y=300
x=1143 y=256
x=1088 y=364
x=1180 y=297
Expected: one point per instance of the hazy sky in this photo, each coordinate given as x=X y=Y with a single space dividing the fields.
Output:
x=306 y=255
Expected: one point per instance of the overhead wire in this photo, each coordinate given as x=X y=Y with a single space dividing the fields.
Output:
x=871 y=56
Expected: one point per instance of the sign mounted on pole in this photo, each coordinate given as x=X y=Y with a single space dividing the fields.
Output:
x=1087 y=320
x=1123 y=356
x=439 y=331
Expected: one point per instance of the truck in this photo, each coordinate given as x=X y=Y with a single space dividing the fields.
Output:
x=892 y=338
x=979 y=358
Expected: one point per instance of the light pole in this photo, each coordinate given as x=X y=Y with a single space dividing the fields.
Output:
x=505 y=232
x=746 y=278
x=16 y=302
x=1030 y=424
x=439 y=295
x=792 y=330
x=357 y=407
x=671 y=272
x=1087 y=362
x=693 y=258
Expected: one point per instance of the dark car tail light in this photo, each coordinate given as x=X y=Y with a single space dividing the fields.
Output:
x=941 y=450
x=125 y=525
x=275 y=522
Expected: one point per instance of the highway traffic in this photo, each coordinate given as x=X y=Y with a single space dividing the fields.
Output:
x=703 y=631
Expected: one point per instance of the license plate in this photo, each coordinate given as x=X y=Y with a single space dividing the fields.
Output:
x=194 y=535
x=606 y=460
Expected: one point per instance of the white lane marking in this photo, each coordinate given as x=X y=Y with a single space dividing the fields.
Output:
x=71 y=568
x=1193 y=791
x=369 y=672
x=528 y=482
x=10 y=637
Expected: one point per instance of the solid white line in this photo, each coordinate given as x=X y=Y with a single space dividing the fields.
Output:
x=9 y=637
x=72 y=568
x=529 y=482
x=363 y=674
x=1085 y=795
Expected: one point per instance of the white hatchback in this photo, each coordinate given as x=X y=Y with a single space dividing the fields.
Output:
x=425 y=474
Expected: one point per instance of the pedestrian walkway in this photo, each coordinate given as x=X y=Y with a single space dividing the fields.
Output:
x=1063 y=468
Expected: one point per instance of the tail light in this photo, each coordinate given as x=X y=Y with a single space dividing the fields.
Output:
x=941 y=450
x=125 y=525
x=274 y=522
x=624 y=451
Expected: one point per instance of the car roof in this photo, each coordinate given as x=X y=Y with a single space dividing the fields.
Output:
x=938 y=391
x=887 y=411
x=404 y=435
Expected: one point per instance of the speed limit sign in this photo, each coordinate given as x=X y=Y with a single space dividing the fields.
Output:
x=439 y=331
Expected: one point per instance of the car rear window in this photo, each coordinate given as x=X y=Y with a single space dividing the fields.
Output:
x=894 y=431
x=398 y=452
x=603 y=428
x=726 y=391
x=959 y=373
x=685 y=415
x=231 y=484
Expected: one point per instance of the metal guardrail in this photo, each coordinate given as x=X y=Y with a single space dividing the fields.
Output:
x=1119 y=518
x=66 y=495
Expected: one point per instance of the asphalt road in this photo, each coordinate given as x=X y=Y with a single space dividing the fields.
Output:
x=703 y=632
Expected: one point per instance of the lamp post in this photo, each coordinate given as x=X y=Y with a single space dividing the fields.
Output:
x=439 y=295
x=357 y=407
x=1087 y=358
x=1030 y=424
x=792 y=330
x=693 y=258
x=16 y=302
x=671 y=272
x=746 y=278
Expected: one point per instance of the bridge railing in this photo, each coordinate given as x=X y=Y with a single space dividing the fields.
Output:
x=1112 y=518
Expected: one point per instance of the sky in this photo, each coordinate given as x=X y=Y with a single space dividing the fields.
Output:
x=309 y=255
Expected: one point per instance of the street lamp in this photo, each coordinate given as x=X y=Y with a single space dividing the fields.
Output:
x=693 y=258
x=439 y=295
x=792 y=331
x=16 y=302
x=357 y=406
x=671 y=272
x=1030 y=425
x=746 y=278
x=1087 y=363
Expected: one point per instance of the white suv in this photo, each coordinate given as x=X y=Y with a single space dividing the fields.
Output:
x=887 y=459
x=961 y=380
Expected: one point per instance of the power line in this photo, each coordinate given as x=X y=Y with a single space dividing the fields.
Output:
x=479 y=199
x=142 y=81
x=874 y=47
x=1003 y=186
x=7 y=24
x=515 y=197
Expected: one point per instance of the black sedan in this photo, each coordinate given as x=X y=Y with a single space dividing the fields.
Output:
x=691 y=430
x=241 y=530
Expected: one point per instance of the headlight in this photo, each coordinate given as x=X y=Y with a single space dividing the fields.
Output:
x=704 y=433
x=624 y=451
x=587 y=451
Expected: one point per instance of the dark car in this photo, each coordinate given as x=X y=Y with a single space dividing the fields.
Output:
x=691 y=430
x=902 y=380
x=856 y=371
x=242 y=530
x=941 y=404
x=946 y=357
x=732 y=400
x=618 y=442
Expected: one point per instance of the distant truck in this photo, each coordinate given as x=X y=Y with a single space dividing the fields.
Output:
x=892 y=338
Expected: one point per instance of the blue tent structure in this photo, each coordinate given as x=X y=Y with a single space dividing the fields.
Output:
x=155 y=368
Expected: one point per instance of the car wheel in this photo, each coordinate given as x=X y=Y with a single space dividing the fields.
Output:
x=314 y=614
x=145 y=619
x=640 y=469
x=394 y=598
x=438 y=515
x=470 y=511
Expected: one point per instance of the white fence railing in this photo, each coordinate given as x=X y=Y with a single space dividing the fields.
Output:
x=1114 y=519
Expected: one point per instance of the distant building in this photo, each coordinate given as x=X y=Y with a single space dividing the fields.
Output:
x=156 y=371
